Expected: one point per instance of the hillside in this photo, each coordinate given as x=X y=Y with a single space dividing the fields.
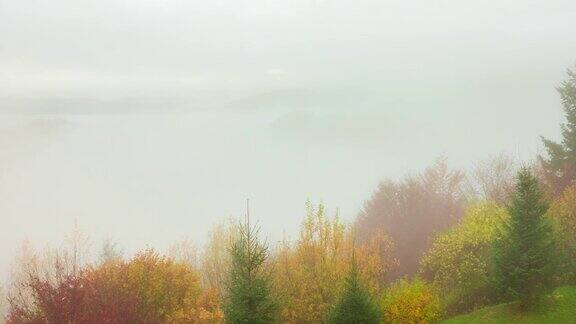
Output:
x=562 y=311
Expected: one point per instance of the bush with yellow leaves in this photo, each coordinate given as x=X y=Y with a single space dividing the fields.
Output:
x=410 y=302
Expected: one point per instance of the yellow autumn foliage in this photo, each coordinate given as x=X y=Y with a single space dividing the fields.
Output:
x=411 y=302
x=563 y=214
x=459 y=260
x=170 y=289
x=309 y=274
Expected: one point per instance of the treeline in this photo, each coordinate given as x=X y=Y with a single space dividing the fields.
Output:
x=429 y=246
x=299 y=281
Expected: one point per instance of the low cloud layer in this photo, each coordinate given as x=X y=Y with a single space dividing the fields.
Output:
x=152 y=120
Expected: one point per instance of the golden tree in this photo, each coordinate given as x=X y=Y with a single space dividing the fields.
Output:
x=310 y=273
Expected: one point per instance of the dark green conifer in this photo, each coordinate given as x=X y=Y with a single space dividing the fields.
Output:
x=249 y=299
x=560 y=165
x=356 y=305
x=524 y=257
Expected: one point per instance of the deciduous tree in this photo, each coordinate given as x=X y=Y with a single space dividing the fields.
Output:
x=310 y=273
x=216 y=258
x=563 y=214
x=492 y=180
x=459 y=260
x=411 y=302
x=412 y=211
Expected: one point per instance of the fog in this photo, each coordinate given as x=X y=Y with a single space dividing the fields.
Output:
x=150 y=121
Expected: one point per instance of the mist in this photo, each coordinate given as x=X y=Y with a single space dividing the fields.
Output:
x=151 y=121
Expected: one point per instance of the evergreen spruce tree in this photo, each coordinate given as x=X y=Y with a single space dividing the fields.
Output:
x=356 y=304
x=524 y=257
x=249 y=298
x=560 y=166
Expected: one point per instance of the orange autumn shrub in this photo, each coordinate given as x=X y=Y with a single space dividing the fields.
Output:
x=149 y=288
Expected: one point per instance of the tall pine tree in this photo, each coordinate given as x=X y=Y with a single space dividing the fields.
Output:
x=524 y=257
x=560 y=166
x=356 y=304
x=249 y=299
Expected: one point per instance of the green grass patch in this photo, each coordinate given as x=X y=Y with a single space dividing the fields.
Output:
x=560 y=308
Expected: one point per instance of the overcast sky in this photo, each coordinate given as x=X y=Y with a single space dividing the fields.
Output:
x=150 y=120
